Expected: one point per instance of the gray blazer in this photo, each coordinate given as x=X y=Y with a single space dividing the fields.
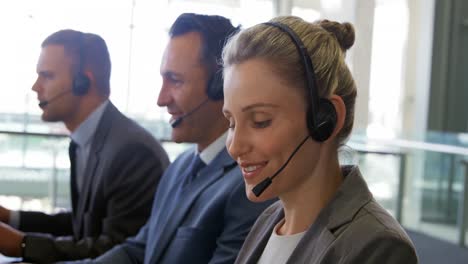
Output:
x=123 y=170
x=352 y=228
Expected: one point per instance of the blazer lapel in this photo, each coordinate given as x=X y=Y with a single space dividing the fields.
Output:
x=314 y=243
x=99 y=140
x=207 y=176
x=262 y=236
x=352 y=195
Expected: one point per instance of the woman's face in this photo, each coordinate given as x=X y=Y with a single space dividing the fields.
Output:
x=267 y=122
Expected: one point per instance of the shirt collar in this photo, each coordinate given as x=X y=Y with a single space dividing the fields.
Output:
x=82 y=135
x=210 y=152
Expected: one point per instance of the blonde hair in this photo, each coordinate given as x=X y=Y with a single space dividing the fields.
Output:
x=326 y=43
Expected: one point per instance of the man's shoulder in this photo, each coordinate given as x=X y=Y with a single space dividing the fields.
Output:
x=223 y=167
x=122 y=124
x=124 y=130
x=184 y=156
x=118 y=135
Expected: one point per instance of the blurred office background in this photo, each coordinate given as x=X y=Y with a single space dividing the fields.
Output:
x=409 y=61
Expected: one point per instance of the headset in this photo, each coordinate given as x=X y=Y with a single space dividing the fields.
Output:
x=203 y=24
x=81 y=82
x=321 y=114
x=214 y=88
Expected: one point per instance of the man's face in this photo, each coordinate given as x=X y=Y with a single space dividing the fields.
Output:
x=54 y=84
x=184 y=88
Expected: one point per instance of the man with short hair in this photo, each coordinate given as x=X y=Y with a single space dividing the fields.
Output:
x=115 y=164
x=200 y=213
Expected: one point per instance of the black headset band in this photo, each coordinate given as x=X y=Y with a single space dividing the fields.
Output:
x=81 y=55
x=80 y=81
x=311 y=80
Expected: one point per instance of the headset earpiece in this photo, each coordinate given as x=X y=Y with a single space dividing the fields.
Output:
x=326 y=121
x=81 y=82
x=214 y=89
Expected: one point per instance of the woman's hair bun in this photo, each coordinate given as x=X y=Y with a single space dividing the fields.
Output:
x=344 y=32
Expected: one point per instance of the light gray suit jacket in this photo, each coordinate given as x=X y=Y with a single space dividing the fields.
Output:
x=123 y=170
x=352 y=228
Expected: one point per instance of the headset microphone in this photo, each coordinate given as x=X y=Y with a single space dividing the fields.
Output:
x=46 y=102
x=176 y=122
x=261 y=187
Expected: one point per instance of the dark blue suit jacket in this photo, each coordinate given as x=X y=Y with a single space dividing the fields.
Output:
x=208 y=224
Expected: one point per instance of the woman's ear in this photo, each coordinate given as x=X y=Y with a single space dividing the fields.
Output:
x=340 y=109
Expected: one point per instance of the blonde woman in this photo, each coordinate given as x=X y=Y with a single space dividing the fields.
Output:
x=290 y=98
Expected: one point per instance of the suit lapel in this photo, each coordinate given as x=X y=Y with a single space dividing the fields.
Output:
x=99 y=140
x=207 y=176
x=313 y=245
x=352 y=195
x=350 y=198
x=165 y=203
x=310 y=247
x=261 y=236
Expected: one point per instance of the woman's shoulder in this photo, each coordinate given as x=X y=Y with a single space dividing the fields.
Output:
x=378 y=220
x=374 y=233
x=363 y=214
x=361 y=230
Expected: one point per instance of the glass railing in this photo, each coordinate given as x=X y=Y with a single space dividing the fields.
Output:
x=34 y=170
x=420 y=181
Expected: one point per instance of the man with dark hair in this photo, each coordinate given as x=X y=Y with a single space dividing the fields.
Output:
x=200 y=212
x=115 y=164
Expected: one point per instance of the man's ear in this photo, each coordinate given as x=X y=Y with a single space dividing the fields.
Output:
x=340 y=109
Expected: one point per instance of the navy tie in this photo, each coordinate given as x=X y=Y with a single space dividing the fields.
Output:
x=194 y=167
x=74 y=188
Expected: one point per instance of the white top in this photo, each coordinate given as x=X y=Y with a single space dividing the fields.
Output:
x=279 y=248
